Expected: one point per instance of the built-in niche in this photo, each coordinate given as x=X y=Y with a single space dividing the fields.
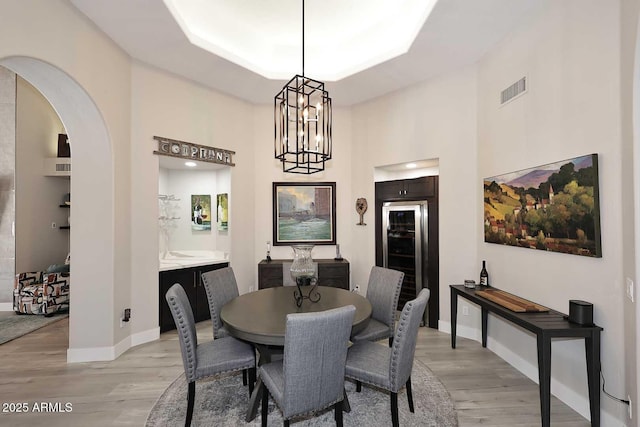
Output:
x=177 y=186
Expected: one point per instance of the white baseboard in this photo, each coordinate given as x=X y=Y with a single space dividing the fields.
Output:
x=145 y=336
x=461 y=331
x=575 y=401
x=6 y=306
x=91 y=354
x=102 y=354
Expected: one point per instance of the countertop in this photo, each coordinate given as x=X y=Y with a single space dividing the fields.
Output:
x=176 y=260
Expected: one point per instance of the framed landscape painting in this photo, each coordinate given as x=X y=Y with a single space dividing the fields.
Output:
x=553 y=207
x=304 y=213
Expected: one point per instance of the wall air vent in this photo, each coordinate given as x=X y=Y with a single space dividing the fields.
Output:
x=514 y=91
x=57 y=166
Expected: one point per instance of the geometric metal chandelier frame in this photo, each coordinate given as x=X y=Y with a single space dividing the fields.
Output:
x=302 y=123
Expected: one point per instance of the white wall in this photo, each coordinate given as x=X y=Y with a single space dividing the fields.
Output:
x=7 y=185
x=269 y=170
x=432 y=120
x=37 y=196
x=86 y=78
x=183 y=184
x=168 y=106
x=571 y=55
x=630 y=97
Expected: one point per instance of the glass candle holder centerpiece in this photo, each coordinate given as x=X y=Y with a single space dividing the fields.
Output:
x=303 y=271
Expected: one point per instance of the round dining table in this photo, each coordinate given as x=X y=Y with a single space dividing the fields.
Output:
x=260 y=318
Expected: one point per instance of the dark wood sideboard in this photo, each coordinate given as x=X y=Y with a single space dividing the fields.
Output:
x=330 y=273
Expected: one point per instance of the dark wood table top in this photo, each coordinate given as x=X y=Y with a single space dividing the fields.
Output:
x=551 y=322
x=260 y=316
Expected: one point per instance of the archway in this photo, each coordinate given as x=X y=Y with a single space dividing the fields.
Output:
x=91 y=319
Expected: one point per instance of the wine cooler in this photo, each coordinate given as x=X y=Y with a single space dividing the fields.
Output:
x=404 y=244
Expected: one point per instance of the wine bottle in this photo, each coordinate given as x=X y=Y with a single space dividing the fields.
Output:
x=484 y=276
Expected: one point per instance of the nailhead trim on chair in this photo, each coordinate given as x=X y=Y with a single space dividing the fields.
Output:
x=191 y=368
x=396 y=296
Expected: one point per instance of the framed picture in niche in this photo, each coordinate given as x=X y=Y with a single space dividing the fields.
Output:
x=304 y=213
x=222 y=211
x=553 y=207
x=201 y=212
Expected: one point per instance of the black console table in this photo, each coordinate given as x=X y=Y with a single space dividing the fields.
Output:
x=546 y=325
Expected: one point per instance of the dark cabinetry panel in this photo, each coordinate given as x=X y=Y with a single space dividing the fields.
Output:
x=424 y=188
x=407 y=189
x=330 y=273
x=191 y=281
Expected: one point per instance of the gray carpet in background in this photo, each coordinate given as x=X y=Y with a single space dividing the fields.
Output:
x=13 y=325
x=223 y=401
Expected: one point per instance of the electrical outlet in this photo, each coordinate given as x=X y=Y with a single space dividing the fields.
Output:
x=630 y=289
x=54 y=225
x=126 y=316
x=465 y=310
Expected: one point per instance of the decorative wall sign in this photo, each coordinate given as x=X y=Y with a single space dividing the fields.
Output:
x=553 y=207
x=191 y=151
x=222 y=202
x=201 y=212
x=304 y=213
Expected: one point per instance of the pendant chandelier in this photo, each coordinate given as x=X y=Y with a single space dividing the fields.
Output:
x=302 y=123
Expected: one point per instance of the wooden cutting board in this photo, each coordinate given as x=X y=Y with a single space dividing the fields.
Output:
x=510 y=301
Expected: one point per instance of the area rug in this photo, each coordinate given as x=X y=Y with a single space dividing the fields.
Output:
x=13 y=325
x=223 y=401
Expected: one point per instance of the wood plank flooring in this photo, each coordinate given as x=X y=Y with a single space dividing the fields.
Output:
x=33 y=369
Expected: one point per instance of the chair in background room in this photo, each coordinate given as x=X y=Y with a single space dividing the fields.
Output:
x=41 y=292
x=390 y=368
x=210 y=358
x=383 y=292
x=310 y=377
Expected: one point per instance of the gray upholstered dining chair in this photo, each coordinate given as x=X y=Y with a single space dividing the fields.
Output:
x=390 y=368
x=383 y=292
x=310 y=377
x=210 y=358
x=221 y=287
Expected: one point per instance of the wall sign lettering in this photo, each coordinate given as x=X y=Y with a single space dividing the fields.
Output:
x=191 y=151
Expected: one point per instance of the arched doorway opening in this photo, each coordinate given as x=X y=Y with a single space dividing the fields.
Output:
x=91 y=317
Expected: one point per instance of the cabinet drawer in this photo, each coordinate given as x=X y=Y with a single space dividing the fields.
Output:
x=273 y=271
x=327 y=271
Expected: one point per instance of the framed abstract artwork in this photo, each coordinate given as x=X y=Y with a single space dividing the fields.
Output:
x=304 y=213
x=553 y=207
